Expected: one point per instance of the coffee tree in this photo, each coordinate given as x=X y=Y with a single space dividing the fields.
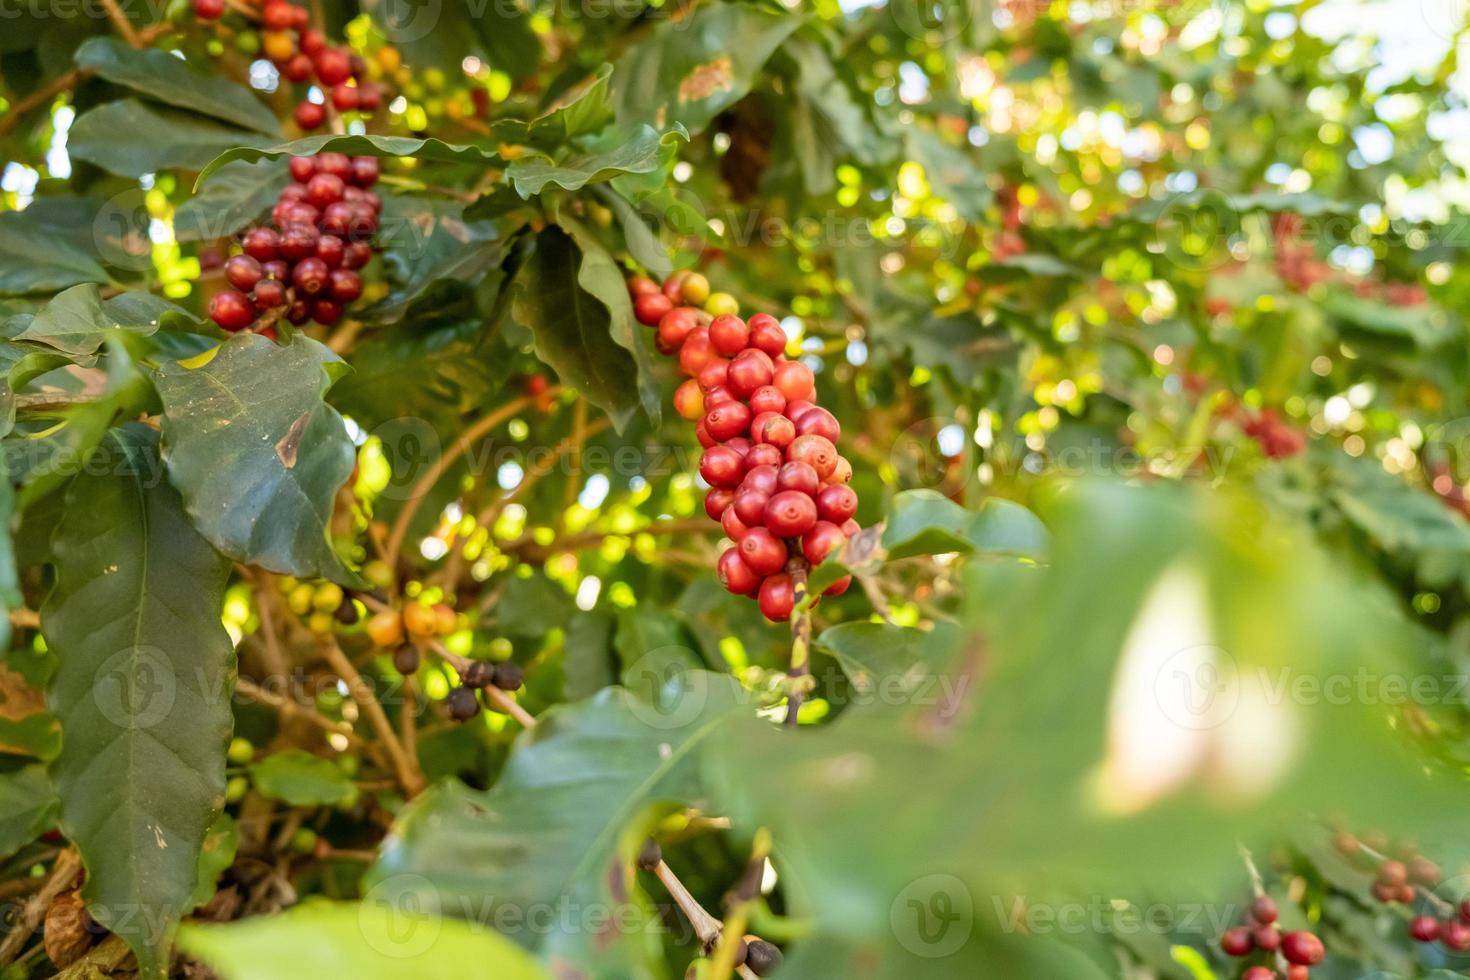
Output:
x=732 y=488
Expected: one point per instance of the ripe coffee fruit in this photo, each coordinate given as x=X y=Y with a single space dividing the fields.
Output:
x=1302 y=948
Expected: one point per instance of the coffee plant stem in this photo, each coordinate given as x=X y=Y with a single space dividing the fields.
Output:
x=1258 y=889
x=120 y=21
x=745 y=893
x=801 y=642
x=293 y=709
x=406 y=768
x=706 y=927
x=458 y=448
x=63 y=874
x=494 y=694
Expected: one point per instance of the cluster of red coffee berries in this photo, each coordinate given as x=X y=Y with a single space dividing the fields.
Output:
x=301 y=54
x=1277 y=438
x=1397 y=882
x=306 y=270
x=778 y=485
x=1300 y=950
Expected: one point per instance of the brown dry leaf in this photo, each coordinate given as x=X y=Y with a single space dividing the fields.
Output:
x=705 y=80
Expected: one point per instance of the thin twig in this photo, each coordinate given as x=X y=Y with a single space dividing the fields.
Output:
x=499 y=698
x=801 y=646
x=1258 y=888
x=294 y=709
x=407 y=768
x=441 y=465
x=739 y=902
x=706 y=926
x=120 y=21
x=63 y=874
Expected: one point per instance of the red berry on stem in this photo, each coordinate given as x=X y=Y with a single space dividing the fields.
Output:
x=299 y=311
x=331 y=250
x=841 y=473
x=1424 y=929
x=344 y=97
x=333 y=66
x=762 y=479
x=777 y=597
x=767 y=398
x=231 y=310
x=697 y=353
x=1302 y=948
x=674 y=326
x=1263 y=909
x=816 y=451
x=736 y=575
x=720 y=467
x=729 y=334
x=766 y=334
x=297 y=69
x=1237 y=941
x=313 y=42
x=310 y=275
x=243 y=272
x=799 y=477
x=851 y=527
x=365 y=170
x=277 y=16
x=261 y=243
x=324 y=189
x=795 y=410
x=326 y=311
x=836 y=503
x=750 y=507
x=1266 y=938
x=795 y=381
x=732 y=525
x=1455 y=935
x=269 y=294
x=689 y=400
x=727 y=420
x=337 y=164
x=748 y=372
x=818 y=421
x=209 y=9
x=714 y=374
x=277 y=269
x=823 y=539
x=1258 y=973
x=355 y=255
x=717 y=500
x=763 y=455
x=641 y=286
x=344 y=286
x=790 y=514
x=763 y=551
x=310 y=115
x=302 y=168
x=650 y=309
x=773 y=430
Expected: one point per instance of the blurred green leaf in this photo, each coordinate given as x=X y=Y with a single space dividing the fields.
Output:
x=299 y=778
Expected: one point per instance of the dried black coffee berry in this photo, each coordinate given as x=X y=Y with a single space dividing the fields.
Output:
x=477 y=673
x=650 y=855
x=406 y=659
x=463 y=704
x=509 y=676
x=762 y=957
x=347 y=613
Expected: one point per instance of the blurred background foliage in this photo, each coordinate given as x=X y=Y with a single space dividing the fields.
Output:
x=1142 y=321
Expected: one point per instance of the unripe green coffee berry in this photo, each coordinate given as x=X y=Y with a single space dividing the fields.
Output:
x=240 y=751
x=235 y=789
x=303 y=841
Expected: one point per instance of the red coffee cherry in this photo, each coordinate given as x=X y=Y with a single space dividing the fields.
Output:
x=1455 y=935
x=750 y=506
x=310 y=115
x=763 y=454
x=1263 y=910
x=1237 y=941
x=727 y=420
x=823 y=539
x=729 y=334
x=310 y=275
x=764 y=479
x=689 y=400
x=326 y=311
x=277 y=16
x=1266 y=938
x=777 y=597
x=816 y=451
x=649 y=309
x=799 y=477
x=298 y=68
x=720 y=467
x=298 y=242
x=767 y=398
x=697 y=352
x=269 y=294
x=838 y=587
x=795 y=381
x=749 y=371
x=209 y=9
x=790 y=514
x=841 y=473
x=261 y=244
x=344 y=286
x=763 y=551
x=1302 y=948
x=736 y=575
x=718 y=395
x=355 y=255
x=365 y=170
x=795 y=410
x=773 y=430
x=674 y=326
x=1424 y=929
x=331 y=250
x=324 y=189
x=819 y=422
x=766 y=335
x=333 y=66
x=705 y=439
x=717 y=500
x=243 y=272
x=641 y=286
x=231 y=310
x=735 y=529
x=344 y=97
x=302 y=169
x=714 y=374
x=742 y=446
x=1258 y=973
x=836 y=503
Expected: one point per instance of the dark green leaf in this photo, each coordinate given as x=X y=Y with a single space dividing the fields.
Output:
x=33 y=259
x=374 y=939
x=142 y=690
x=373 y=146
x=572 y=327
x=131 y=138
x=638 y=152
x=27 y=807
x=426 y=242
x=557 y=826
x=215 y=855
x=256 y=453
x=925 y=522
x=302 y=779
x=693 y=68
x=77 y=320
x=160 y=75
x=233 y=198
